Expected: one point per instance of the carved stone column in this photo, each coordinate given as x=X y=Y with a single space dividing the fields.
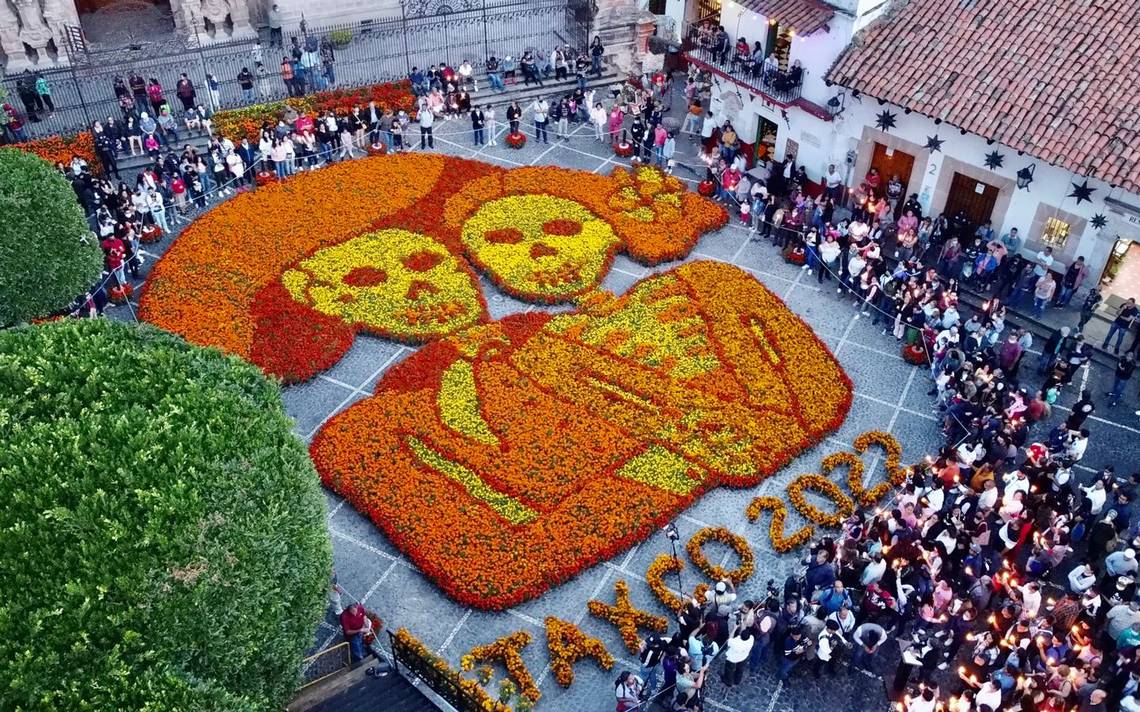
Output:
x=10 y=43
x=34 y=31
x=646 y=26
x=239 y=16
x=616 y=24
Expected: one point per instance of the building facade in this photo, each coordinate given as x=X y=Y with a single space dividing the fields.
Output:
x=1010 y=111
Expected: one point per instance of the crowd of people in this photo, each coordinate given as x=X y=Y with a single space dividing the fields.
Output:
x=1006 y=580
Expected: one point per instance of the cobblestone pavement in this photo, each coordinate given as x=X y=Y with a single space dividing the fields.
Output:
x=889 y=395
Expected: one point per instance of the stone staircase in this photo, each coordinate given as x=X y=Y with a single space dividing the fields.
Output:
x=353 y=691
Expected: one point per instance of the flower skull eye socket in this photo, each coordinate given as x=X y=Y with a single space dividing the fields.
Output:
x=539 y=246
x=392 y=282
x=422 y=261
x=506 y=236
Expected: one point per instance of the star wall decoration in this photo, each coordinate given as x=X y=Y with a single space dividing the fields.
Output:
x=994 y=159
x=933 y=143
x=885 y=120
x=1099 y=221
x=1082 y=192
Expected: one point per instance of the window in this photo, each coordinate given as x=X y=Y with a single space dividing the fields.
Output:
x=1056 y=233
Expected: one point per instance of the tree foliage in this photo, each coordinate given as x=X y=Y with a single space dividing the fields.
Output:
x=47 y=250
x=162 y=540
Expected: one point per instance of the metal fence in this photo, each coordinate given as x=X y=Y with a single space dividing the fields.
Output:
x=365 y=52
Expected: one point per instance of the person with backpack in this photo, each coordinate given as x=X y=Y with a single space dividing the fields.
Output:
x=763 y=631
x=627 y=689
x=702 y=646
x=650 y=655
x=718 y=607
x=827 y=648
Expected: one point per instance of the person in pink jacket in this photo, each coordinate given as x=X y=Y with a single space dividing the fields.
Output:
x=616 y=118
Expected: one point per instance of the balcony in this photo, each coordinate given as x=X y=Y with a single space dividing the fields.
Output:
x=779 y=87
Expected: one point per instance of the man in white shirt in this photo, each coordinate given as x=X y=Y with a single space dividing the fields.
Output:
x=1015 y=481
x=1096 y=495
x=1030 y=600
x=541 y=111
x=1076 y=450
x=1081 y=578
x=834 y=183
x=827 y=648
x=1044 y=262
x=736 y=655
x=873 y=572
x=988 y=498
x=989 y=695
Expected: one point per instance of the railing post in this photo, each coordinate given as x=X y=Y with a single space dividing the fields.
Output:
x=395 y=658
x=79 y=91
x=404 y=25
x=486 y=42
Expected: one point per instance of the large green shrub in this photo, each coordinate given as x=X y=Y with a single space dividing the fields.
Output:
x=162 y=534
x=48 y=254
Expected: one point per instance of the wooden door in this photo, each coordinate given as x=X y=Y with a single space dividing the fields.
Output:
x=973 y=197
x=899 y=163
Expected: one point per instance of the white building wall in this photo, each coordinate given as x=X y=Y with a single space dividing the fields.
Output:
x=1050 y=187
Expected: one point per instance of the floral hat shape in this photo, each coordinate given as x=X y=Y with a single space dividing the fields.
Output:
x=287 y=275
x=508 y=457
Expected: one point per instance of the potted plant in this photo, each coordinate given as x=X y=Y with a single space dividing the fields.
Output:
x=623 y=148
x=264 y=177
x=121 y=293
x=378 y=149
x=516 y=139
x=150 y=234
x=915 y=354
x=796 y=255
x=706 y=188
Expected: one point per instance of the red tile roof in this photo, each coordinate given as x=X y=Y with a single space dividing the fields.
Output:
x=803 y=16
x=1058 y=79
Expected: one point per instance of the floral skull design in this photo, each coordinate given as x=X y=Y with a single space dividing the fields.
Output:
x=394 y=282
x=540 y=245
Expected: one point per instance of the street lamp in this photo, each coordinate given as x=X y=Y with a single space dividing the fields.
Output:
x=590 y=20
x=1025 y=176
x=674 y=537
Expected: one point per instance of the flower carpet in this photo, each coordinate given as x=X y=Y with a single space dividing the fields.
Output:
x=505 y=456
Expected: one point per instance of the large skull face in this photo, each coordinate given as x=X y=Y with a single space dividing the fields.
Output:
x=539 y=246
x=397 y=283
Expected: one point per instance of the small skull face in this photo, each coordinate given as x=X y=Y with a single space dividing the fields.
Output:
x=540 y=246
x=394 y=282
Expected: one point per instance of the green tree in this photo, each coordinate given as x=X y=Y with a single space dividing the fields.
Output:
x=48 y=252
x=162 y=538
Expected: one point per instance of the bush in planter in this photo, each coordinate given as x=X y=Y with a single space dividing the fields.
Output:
x=48 y=252
x=165 y=545
x=340 y=38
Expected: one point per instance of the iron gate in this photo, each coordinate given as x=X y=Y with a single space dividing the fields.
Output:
x=428 y=32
